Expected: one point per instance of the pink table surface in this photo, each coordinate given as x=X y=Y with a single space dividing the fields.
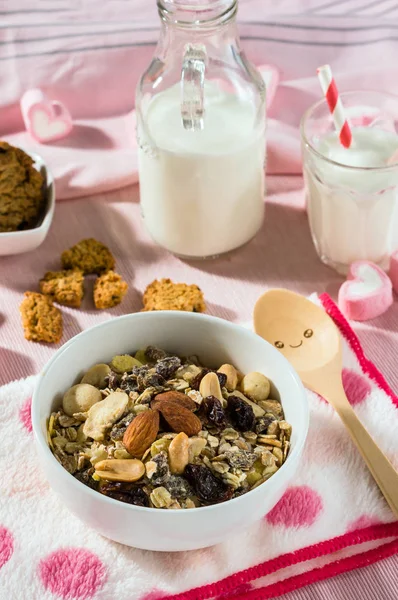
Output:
x=282 y=255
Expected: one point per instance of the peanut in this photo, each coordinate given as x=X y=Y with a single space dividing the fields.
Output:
x=179 y=453
x=210 y=386
x=232 y=376
x=120 y=469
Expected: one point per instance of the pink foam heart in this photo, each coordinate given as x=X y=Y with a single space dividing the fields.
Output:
x=367 y=293
x=270 y=75
x=45 y=120
x=394 y=268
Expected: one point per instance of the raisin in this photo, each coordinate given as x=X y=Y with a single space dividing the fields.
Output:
x=86 y=478
x=195 y=383
x=241 y=413
x=168 y=366
x=222 y=378
x=125 y=492
x=155 y=380
x=140 y=379
x=162 y=473
x=207 y=486
x=141 y=385
x=119 y=428
x=140 y=370
x=263 y=423
x=129 y=383
x=112 y=380
x=154 y=354
x=178 y=487
x=214 y=411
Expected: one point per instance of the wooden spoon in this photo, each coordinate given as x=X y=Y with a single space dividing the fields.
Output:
x=310 y=340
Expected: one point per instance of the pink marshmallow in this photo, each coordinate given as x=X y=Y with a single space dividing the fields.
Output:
x=367 y=293
x=45 y=120
x=394 y=269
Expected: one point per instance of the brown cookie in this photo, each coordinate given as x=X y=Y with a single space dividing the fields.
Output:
x=64 y=287
x=109 y=290
x=166 y=295
x=41 y=320
x=21 y=189
x=88 y=256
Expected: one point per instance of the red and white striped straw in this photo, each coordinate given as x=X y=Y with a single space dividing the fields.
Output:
x=336 y=108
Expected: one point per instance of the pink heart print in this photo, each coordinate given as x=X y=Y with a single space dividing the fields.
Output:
x=46 y=120
x=367 y=293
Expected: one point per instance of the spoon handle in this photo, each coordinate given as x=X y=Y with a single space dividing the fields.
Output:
x=378 y=464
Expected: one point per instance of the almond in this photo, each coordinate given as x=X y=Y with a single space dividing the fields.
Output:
x=141 y=432
x=173 y=396
x=210 y=386
x=180 y=418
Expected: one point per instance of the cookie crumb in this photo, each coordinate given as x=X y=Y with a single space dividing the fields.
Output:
x=109 y=290
x=89 y=256
x=64 y=287
x=166 y=295
x=41 y=320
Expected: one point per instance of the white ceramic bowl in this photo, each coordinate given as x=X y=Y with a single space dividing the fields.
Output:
x=215 y=342
x=17 y=242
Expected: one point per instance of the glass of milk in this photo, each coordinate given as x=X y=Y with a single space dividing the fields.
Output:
x=201 y=133
x=352 y=194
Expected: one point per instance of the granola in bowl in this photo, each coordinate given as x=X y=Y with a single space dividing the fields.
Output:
x=162 y=431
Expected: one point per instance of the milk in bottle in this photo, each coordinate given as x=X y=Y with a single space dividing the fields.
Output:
x=203 y=192
x=201 y=133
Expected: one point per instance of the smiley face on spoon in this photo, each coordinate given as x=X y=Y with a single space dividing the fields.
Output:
x=298 y=328
x=307 y=334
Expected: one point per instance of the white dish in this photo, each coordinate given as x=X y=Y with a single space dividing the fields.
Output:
x=17 y=242
x=215 y=342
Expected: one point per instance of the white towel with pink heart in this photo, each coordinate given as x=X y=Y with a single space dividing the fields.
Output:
x=331 y=519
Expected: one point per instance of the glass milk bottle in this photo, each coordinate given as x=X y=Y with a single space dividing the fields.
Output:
x=201 y=133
